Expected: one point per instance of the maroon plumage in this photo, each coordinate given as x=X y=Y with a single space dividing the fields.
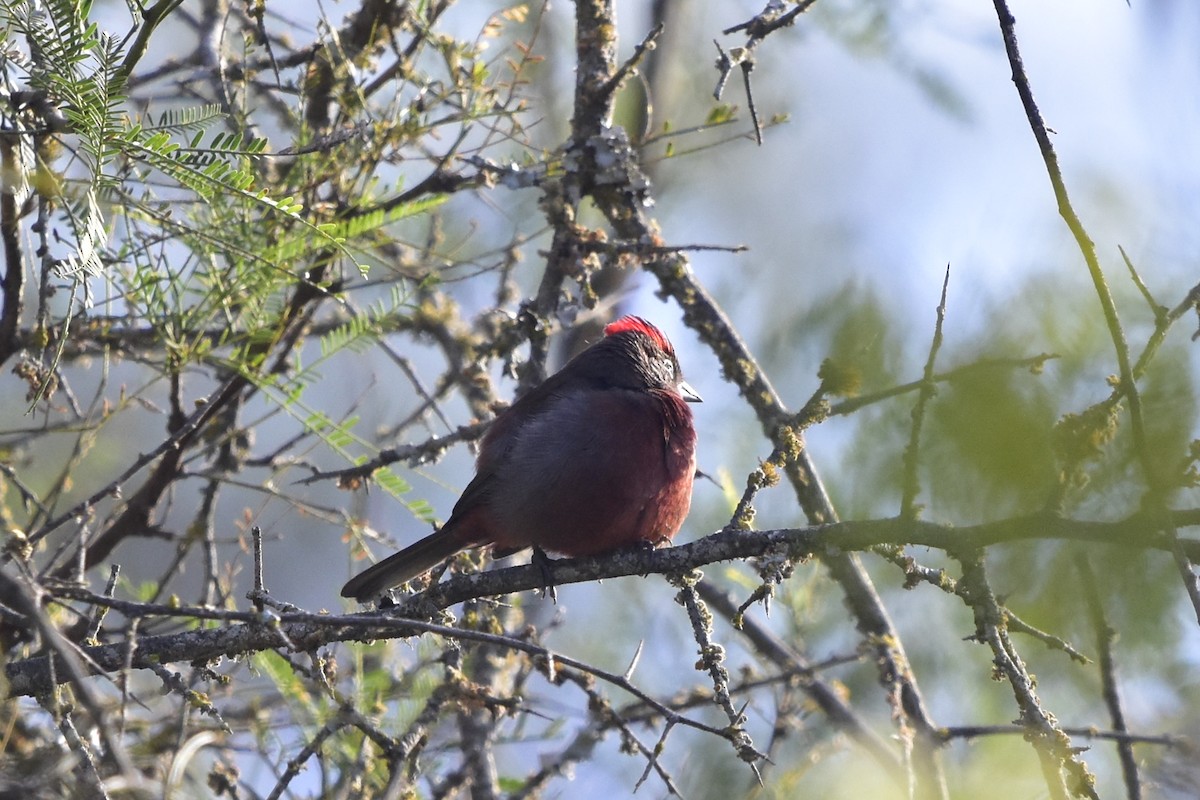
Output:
x=599 y=456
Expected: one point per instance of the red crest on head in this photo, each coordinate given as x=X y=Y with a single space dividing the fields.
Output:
x=639 y=325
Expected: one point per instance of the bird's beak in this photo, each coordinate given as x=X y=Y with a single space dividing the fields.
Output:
x=689 y=394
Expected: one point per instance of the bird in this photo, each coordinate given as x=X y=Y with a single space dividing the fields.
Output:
x=598 y=457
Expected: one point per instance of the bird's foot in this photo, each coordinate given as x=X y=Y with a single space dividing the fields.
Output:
x=644 y=546
x=545 y=565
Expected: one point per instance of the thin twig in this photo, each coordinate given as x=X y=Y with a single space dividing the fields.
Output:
x=767 y=21
x=13 y=280
x=643 y=47
x=975 y=731
x=712 y=657
x=912 y=452
x=99 y=612
x=1105 y=638
x=1032 y=363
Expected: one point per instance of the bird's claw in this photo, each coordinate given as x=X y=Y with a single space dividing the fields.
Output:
x=545 y=565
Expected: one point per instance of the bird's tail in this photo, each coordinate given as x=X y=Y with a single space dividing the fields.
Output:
x=403 y=566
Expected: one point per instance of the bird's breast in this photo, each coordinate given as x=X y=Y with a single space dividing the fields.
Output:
x=593 y=471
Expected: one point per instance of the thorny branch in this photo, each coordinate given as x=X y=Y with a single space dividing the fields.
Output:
x=1139 y=531
x=1128 y=387
x=1051 y=743
x=757 y=28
